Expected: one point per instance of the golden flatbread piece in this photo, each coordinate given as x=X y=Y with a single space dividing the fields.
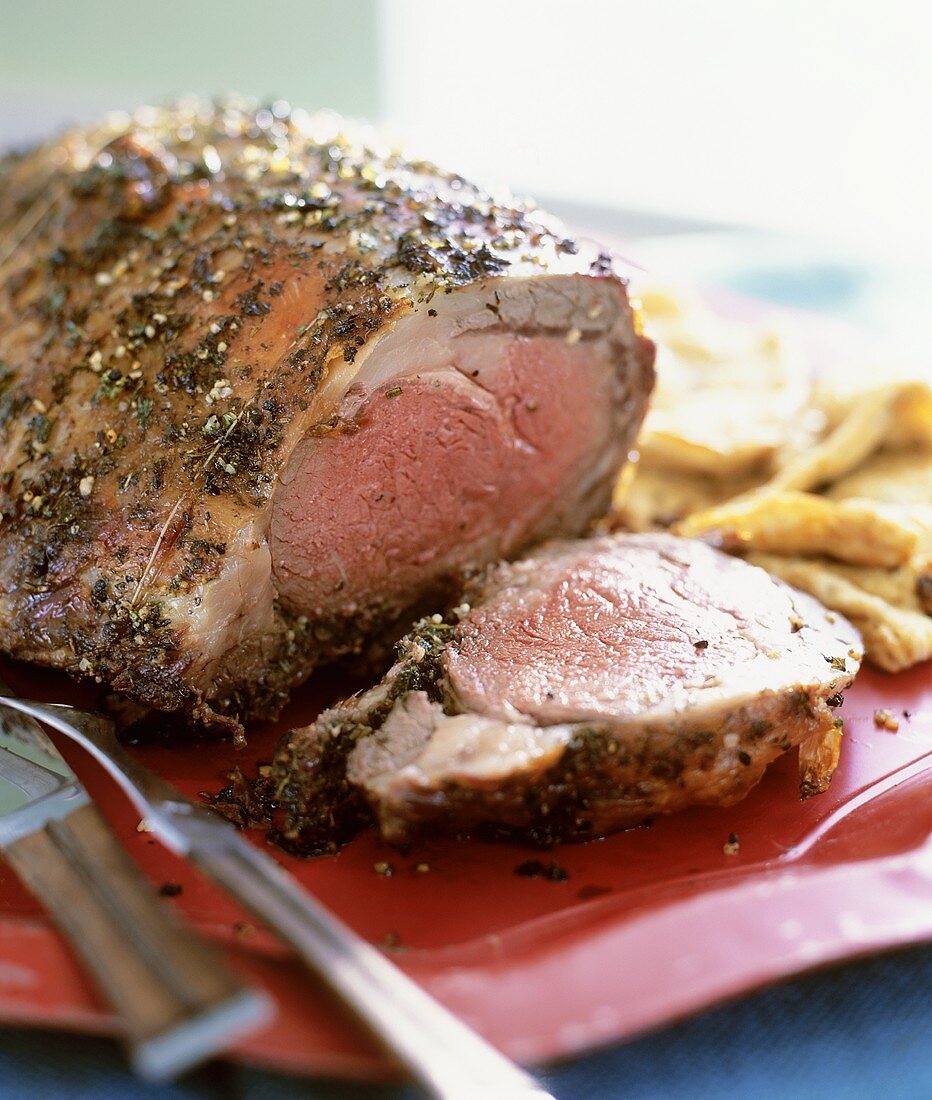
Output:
x=825 y=482
x=894 y=638
x=900 y=477
x=803 y=523
x=646 y=499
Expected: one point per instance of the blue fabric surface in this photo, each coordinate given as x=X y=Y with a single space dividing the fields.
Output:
x=862 y=1030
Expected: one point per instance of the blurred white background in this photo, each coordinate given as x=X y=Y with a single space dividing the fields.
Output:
x=811 y=116
x=805 y=119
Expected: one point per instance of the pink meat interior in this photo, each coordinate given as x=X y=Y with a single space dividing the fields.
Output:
x=613 y=632
x=465 y=460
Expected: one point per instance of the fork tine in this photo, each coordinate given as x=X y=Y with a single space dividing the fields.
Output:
x=33 y=779
x=22 y=726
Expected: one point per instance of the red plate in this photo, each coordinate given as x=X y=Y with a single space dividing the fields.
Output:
x=651 y=924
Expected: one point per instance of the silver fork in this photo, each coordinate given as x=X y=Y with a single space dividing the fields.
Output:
x=449 y=1059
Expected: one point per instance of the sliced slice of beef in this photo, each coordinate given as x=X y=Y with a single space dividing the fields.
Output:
x=583 y=689
x=266 y=389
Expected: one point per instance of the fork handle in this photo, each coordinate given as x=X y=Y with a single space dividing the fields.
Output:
x=174 y=998
x=446 y=1056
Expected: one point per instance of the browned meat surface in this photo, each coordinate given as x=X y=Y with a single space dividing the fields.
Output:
x=266 y=389
x=583 y=689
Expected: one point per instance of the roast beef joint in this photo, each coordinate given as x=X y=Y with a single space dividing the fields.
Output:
x=268 y=391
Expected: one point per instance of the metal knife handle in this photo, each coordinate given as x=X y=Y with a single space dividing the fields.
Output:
x=443 y=1053
x=174 y=998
